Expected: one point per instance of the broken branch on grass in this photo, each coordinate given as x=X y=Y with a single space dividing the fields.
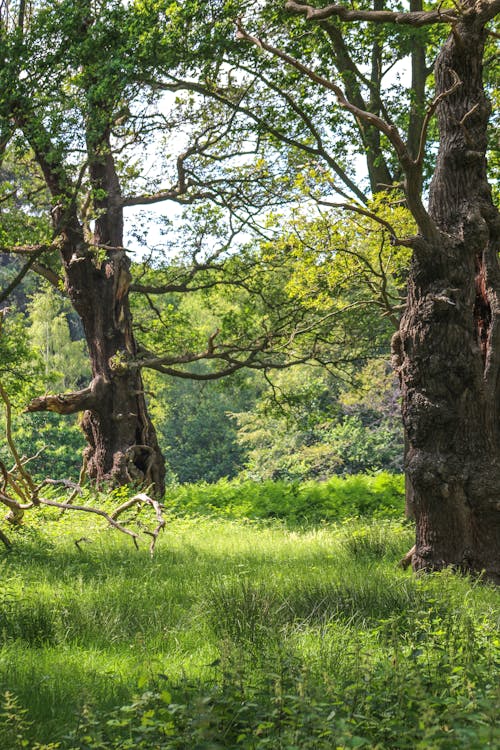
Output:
x=18 y=483
x=79 y=541
x=140 y=499
x=89 y=509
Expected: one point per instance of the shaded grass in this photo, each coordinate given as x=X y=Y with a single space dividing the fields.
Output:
x=258 y=633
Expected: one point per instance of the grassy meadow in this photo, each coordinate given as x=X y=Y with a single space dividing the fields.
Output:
x=240 y=633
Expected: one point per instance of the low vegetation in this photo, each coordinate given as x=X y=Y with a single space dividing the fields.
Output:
x=380 y=495
x=240 y=633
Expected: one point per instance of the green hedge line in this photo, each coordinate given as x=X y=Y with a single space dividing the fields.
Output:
x=338 y=498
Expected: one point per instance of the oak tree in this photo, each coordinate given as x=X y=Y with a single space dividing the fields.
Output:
x=447 y=349
x=80 y=103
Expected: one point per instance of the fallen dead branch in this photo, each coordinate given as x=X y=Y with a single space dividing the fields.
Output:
x=19 y=493
x=142 y=499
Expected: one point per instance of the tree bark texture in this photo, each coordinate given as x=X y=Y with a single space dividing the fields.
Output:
x=448 y=347
x=122 y=445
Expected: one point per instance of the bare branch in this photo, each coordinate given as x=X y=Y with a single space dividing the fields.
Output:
x=430 y=111
x=48 y=274
x=363 y=212
x=28 y=489
x=5 y=293
x=29 y=249
x=89 y=509
x=487 y=9
x=23 y=474
x=70 y=403
x=140 y=499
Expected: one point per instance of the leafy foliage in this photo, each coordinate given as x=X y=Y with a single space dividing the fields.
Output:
x=65 y=359
x=311 y=425
x=333 y=500
x=36 y=356
x=198 y=436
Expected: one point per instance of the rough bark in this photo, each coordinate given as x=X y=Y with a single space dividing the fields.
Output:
x=122 y=445
x=448 y=350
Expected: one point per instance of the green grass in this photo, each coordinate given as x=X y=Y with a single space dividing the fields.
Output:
x=241 y=634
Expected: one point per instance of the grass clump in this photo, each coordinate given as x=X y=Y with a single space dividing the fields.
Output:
x=240 y=633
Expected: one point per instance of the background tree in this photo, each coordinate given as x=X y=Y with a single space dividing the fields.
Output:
x=78 y=104
x=311 y=425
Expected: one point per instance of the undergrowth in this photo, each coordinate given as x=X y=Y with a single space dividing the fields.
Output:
x=379 y=495
x=240 y=633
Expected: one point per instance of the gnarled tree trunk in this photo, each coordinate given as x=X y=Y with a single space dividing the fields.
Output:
x=122 y=445
x=448 y=351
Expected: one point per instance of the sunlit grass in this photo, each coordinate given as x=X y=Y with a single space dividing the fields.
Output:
x=250 y=608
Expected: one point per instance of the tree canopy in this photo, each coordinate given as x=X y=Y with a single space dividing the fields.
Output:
x=236 y=112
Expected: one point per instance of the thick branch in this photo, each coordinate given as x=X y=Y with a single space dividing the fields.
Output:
x=89 y=509
x=30 y=250
x=70 y=403
x=48 y=274
x=487 y=9
x=430 y=111
x=416 y=18
x=364 y=212
x=148 y=199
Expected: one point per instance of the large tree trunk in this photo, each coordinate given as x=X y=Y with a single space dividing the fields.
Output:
x=122 y=444
x=448 y=351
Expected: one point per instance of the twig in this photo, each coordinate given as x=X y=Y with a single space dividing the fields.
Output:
x=430 y=111
x=139 y=499
x=463 y=120
x=5 y=539
x=79 y=541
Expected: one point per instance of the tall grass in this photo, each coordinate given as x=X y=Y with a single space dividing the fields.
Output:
x=241 y=634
